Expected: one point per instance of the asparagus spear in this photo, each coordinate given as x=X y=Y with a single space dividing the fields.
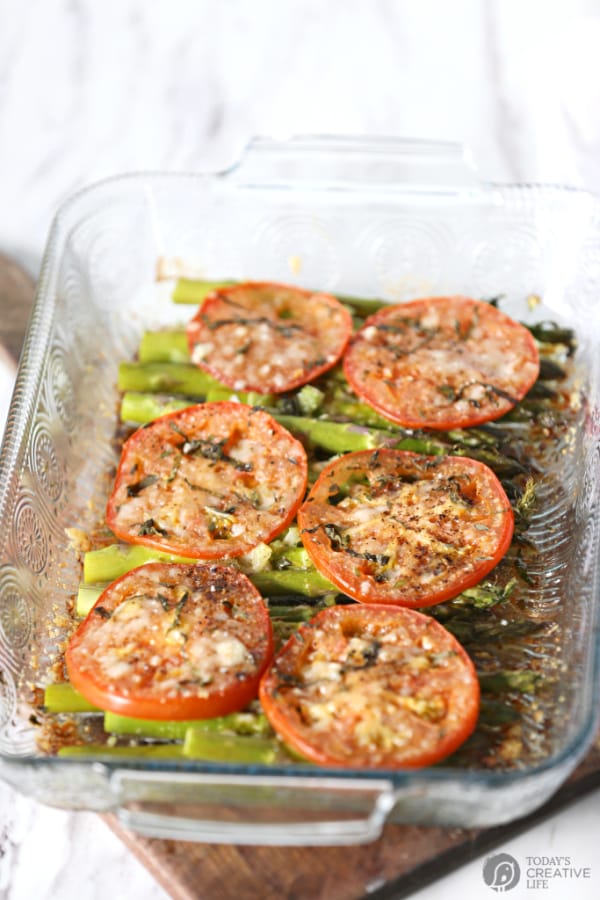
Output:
x=292 y=581
x=483 y=595
x=63 y=698
x=551 y=333
x=336 y=437
x=291 y=557
x=142 y=408
x=252 y=398
x=188 y=290
x=550 y=370
x=520 y=680
x=87 y=595
x=345 y=406
x=200 y=744
x=142 y=751
x=241 y=723
x=169 y=345
x=165 y=377
x=474 y=633
x=197 y=745
x=164 y=346
x=115 y=560
x=111 y=562
x=494 y=713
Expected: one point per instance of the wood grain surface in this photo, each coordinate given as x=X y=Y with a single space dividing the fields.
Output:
x=404 y=859
x=17 y=290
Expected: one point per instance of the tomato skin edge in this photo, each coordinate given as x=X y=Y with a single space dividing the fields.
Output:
x=156 y=543
x=347 y=586
x=464 y=421
x=285 y=729
x=291 y=385
x=175 y=710
x=183 y=708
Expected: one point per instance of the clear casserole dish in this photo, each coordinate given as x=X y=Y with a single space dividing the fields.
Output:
x=375 y=218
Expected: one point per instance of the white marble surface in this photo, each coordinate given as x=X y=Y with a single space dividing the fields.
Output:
x=88 y=89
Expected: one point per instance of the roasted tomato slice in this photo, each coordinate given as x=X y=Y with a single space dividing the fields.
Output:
x=376 y=686
x=266 y=337
x=444 y=362
x=170 y=641
x=389 y=526
x=207 y=482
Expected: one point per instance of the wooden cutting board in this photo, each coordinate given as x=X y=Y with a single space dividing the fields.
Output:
x=404 y=859
x=17 y=290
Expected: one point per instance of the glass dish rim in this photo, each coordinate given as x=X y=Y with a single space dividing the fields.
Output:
x=30 y=371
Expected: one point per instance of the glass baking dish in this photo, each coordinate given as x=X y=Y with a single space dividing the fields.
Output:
x=374 y=218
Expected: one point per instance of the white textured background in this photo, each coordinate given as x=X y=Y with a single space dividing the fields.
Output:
x=88 y=89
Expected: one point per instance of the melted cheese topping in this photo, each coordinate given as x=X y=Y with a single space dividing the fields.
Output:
x=267 y=337
x=407 y=526
x=172 y=632
x=215 y=480
x=432 y=362
x=376 y=690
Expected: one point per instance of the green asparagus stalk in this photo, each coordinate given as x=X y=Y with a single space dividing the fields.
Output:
x=473 y=633
x=359 y=413
x=523 y=681
x=336 y=437
x=474 y=437
x=199 y=744
x=494 y=713
x=63 y=698
x=188 y=290
x=89 y=593
x=309 y=399
x=296 y=614
x=341 y=437
x=292 y=581
x=171 y=345
x=142 y=408
x=142 y=751
x=291 y=557
x=421 y=445
x=550 y=370
x=111 y=562
x=166 y=377
x=361 y=306
x=164 y=346
x=252 y=398
x=86 y=597
x=541 y=391
x=241 y=723
x=551 y=333
x=502 y=465
x=484 y=595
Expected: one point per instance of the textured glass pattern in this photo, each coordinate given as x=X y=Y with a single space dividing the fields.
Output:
x=387 y=225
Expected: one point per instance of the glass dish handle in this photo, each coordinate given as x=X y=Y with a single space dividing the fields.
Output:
x=369 y=163
x=255 y=809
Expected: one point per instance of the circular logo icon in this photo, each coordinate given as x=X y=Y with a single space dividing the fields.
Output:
x=501 y=872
